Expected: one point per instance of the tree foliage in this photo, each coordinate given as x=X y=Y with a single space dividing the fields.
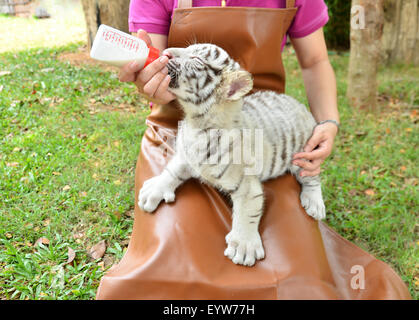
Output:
x=338 y=28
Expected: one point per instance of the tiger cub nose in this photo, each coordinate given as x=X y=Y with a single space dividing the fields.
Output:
x=173 y=52
x=167 y=53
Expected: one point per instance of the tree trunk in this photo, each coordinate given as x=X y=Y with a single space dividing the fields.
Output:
x=365 y=53
x=401 y=32
x=113 y=13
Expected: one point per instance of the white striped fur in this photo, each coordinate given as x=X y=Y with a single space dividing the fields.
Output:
x=211 y=89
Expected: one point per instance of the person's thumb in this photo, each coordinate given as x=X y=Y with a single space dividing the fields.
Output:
x=143 y=35
x=313 y=142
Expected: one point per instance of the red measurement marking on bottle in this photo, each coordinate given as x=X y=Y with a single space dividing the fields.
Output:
x=121 y=40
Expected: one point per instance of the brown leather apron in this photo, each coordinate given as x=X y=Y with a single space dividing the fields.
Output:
x=178 y=252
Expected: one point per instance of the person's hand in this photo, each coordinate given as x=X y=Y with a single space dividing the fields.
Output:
x=317 y=149
x=152 y=81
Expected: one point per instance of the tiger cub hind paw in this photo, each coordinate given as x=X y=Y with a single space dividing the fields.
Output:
x=312 y=202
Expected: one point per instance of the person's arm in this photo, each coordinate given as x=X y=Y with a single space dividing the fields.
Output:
x=158 y=40
x=320 y=83
x=153 y=80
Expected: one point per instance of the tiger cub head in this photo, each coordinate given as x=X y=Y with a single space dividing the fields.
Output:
x=203 y=75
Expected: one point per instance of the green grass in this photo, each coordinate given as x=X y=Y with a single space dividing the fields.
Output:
x=67 y=173
x=67 y=159
x=370 y=181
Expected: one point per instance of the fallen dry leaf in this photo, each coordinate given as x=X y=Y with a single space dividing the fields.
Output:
x=71 y=255
x=12 y=164
x=5 y=73
x=101 y=265
x=47 y=70
x=98 y=250
x=55 y=173
x=369 y=192
x=130 y=213
x=78 y=235
x=411 y=181
x=108 y=260
x=42 y=240
x=67 y=187
x=82 y=135
x=117 y=215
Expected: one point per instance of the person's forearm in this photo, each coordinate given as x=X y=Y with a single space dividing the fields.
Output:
x=159 y=41
x=320 y=84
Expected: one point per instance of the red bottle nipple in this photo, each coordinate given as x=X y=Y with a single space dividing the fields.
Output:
x=153 y=54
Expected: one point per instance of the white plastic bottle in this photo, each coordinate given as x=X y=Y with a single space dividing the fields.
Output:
x=117 y=48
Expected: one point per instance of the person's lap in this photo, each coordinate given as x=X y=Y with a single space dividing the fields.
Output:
x=178 y=251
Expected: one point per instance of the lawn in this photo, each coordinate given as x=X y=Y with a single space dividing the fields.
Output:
x=70 y=136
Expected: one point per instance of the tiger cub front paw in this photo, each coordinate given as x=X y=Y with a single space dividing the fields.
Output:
x=153 y=192
x=244 y=248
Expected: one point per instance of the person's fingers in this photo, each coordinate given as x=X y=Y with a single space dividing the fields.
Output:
x=313 y=142
x=152 y=69
x=161 y=92
x=320 y=153
x=306 y=173
x=143 y=35
x=151 y=86
x=308 y=165
x=129 y=71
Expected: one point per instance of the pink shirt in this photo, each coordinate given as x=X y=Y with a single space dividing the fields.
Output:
x=154 y=16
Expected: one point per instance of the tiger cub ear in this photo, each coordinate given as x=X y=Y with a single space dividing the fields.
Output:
x=236 y=84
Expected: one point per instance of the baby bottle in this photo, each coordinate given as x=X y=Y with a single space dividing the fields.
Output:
x=117 y=48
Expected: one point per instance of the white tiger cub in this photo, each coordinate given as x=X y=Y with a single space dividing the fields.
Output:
x=211 y=88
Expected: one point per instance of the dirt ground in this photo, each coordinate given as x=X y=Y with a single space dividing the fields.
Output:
x=82 y=57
